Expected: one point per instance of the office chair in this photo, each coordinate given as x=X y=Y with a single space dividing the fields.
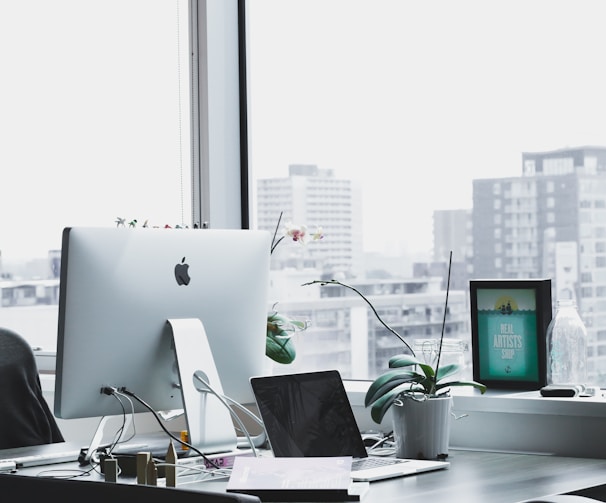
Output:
x=25 y=417
x=27 y=488
x=562 y=498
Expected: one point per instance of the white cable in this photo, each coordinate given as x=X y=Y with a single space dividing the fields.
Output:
x=260 y=439
x=122 y=431
x=223 y=400
x=245 y=410
x=210 y=473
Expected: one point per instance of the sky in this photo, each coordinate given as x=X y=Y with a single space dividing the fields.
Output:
x=410 y=99
x=415 y=99
x=90 y=118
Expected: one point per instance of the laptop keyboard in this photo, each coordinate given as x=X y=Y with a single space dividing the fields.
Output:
x=367 y=463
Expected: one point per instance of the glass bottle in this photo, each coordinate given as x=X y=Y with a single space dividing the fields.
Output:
x=566 y=346
x=453 y=351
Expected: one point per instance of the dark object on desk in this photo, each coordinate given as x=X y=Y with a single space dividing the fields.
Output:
x=562 y=498
x=598 y=493
x=26 y=488
x=561 y=390
x=26 y=418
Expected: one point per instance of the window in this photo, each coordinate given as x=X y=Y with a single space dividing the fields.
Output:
x=411 y=102
x=371 y=114
x=95 y=124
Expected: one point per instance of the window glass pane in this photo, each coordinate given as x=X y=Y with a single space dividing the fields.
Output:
x=368 y=116
x=95 y=126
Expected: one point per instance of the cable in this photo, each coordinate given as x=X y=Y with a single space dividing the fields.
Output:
x=223 y=400
x=260 y=439
x=132 y=415
x=250 y=414
x=222 y=472
x=157 y=417
x=91 y=453
x=118 y=435
x=377 y=450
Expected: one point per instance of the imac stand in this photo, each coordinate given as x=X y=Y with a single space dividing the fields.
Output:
x=209 y=422
x=86 y=455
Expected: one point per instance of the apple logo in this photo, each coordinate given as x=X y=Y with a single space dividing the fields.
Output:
x=182 y=273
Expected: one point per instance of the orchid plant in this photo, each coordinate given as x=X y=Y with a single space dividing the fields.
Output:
x=298 y=233
x=407 y=375
x=279 y=345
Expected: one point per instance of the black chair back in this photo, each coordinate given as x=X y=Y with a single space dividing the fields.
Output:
x=77 y=491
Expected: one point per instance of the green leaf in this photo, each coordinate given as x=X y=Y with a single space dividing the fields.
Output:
x=277 y=322
x=387 y=381
x=404 y=360
x=381 y=406
x=281 y=350
x=302 y=325
x=447 y=370
x=475 y=384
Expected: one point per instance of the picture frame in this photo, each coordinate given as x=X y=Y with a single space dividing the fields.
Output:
x=509 y=320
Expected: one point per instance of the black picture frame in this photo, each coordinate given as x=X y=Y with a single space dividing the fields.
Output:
x=509 y=320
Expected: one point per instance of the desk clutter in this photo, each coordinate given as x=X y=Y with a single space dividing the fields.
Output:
x=147 y=468
x=269 y=478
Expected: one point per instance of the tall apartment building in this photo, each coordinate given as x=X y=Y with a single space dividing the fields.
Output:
x=315 y=197
x=451 y=232
x=550 y=222
x=343 y=331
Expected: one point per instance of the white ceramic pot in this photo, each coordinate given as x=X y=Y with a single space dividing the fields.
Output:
x=422 y=428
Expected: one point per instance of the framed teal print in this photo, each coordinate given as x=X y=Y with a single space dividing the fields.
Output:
x=509 y=320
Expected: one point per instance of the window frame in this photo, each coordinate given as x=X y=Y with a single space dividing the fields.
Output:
x=219 y=113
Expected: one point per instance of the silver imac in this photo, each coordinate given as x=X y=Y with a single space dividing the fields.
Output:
x=132 y=299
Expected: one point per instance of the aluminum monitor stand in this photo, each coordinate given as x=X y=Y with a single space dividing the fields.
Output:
x=209 y=423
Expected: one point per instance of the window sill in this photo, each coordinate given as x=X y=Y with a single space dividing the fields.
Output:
x=521 y=422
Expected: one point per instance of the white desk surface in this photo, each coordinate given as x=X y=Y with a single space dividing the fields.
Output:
x=473 y=477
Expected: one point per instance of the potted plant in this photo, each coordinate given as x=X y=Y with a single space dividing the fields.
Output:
x=417 y=393
x=279 y=345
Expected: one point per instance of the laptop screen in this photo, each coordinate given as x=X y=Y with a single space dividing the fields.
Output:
x=308 y=414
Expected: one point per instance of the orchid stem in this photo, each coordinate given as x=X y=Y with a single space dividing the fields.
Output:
x=275 y=243
x=444 y=320
x=336 y=282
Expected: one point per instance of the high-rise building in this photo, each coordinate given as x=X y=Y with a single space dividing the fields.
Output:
x=316 y=198
x=550 y=222
x=451 y=232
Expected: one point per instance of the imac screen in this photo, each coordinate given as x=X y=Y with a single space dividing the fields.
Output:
x=119 y=286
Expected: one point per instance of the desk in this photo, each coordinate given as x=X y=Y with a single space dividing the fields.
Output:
x=473 y=477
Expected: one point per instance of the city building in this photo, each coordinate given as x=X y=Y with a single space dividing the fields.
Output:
x=550 y=222
x=451 y=232
x=344 y=333
x=315 y=198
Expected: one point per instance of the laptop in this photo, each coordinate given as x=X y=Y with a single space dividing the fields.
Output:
x=38 y=455
x=309 y=415
x=14 y=458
